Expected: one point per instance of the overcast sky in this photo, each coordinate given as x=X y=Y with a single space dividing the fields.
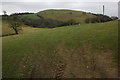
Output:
x=94 y=6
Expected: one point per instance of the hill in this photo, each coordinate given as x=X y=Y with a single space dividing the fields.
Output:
x=65 y=15
x=79 y=51
x=62 y=15
x=56 y=18
x=53 y=18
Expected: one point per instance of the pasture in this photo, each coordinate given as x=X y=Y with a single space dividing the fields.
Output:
x=78 y=51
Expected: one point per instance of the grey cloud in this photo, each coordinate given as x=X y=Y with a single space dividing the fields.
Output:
x=60 y=0
x=95 y=7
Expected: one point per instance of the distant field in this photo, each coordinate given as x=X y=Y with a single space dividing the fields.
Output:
x=61 y=15
x=80 y=51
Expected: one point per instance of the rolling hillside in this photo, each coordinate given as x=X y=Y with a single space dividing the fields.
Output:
x=61 y=15
x=57 y=18
x=80 y=51
x=65 y=15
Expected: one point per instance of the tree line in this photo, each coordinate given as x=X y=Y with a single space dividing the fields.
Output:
x=41 y=22
x=100 y=19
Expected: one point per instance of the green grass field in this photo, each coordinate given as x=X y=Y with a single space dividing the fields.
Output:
x=6 y=30
x=83 y=51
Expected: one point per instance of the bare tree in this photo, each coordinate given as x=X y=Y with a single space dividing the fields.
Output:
x=16 y=26
x=5 y=13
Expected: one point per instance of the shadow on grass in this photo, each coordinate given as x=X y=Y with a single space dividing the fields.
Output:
x=7 y=35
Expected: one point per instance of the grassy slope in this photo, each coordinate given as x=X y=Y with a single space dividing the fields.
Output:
x=39 y=53
x=6 y=30
x=62 y=15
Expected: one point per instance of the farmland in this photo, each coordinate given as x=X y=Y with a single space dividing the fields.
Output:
x=76 y=51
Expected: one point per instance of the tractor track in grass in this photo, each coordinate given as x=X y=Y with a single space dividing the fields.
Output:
x=77 y=63
x=60 y=70
x=32 y=74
